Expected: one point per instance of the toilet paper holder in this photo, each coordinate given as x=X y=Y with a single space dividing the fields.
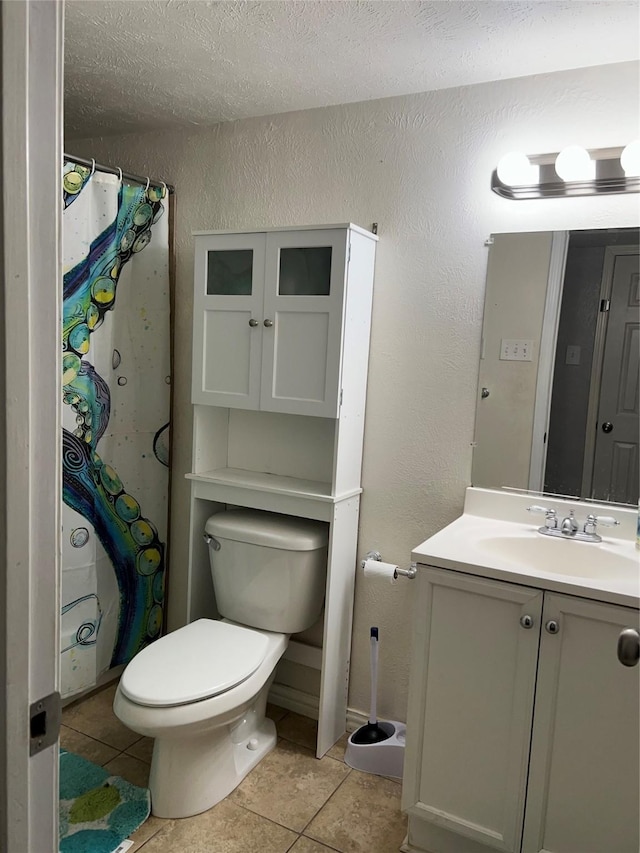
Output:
x=410 y=573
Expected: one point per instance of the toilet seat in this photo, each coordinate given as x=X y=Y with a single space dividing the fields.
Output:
x=201 y=660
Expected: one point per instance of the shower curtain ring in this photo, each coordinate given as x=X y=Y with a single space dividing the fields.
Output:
x=146 y=189
x=93 y=166
x=119 y=174
x=164 y=189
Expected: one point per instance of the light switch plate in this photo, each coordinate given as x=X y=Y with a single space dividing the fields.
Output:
x=573 y=354
x=516 y=350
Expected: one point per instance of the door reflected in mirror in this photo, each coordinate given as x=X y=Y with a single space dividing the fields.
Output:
x=557 y=404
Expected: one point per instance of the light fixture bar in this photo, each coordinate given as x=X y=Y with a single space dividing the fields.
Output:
x=610 y=178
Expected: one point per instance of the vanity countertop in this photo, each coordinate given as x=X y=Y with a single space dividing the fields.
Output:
x=497 y=538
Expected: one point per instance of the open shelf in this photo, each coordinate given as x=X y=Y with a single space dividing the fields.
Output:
x=260 y=481
x=270 y=492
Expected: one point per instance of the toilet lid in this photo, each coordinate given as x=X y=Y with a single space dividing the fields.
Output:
x=196 y=662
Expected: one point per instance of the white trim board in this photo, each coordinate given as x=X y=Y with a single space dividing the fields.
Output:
x=328 y=227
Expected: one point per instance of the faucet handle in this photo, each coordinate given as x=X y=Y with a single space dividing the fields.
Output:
x=607 y=520
x=551 y=518
x=593 y=520
x=547 y=510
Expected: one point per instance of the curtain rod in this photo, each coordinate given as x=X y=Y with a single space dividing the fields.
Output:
x=138 y=179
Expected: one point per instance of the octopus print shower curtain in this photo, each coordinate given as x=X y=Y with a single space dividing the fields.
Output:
x=115 y=362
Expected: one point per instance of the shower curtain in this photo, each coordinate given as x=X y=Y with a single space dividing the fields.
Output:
x=116 y=363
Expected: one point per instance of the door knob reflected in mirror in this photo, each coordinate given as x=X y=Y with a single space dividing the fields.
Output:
x=607 y=426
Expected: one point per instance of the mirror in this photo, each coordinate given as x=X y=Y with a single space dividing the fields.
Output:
x=557 y=405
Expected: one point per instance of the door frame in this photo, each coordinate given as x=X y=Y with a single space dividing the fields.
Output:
x=546 y=359
x=30 y=447
x=608 y=269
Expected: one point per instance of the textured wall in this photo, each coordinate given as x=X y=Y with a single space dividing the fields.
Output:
x=420 y=166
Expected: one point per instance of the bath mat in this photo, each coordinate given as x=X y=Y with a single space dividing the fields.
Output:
x=97 y=810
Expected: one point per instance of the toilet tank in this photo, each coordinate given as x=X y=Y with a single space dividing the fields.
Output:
x=268 y=570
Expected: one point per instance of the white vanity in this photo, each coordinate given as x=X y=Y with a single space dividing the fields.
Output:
x=523 y=723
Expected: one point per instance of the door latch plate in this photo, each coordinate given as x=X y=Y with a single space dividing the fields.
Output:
x=44 y=723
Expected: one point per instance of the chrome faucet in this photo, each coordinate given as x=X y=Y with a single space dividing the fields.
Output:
x=569 y=527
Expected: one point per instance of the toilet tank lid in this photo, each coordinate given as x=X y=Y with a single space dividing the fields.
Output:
x=268 y=529
x=200 y=660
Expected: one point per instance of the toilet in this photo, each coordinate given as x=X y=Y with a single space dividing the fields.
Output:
x=201 y=691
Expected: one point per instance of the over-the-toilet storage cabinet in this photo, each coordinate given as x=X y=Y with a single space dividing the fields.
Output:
x=523 y=723
x=281 y=324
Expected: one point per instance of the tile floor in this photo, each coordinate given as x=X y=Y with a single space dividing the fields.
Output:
x=289 y=802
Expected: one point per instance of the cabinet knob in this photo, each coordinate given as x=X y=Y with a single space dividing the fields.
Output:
x=253 y=323
x=526 y=621
x=629 y=647
x=268 y=323
x=552 y=626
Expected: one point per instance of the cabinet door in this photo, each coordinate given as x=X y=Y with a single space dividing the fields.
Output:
x=303 y=307
x=227 y=320
x=471 y=705
x=583 y=793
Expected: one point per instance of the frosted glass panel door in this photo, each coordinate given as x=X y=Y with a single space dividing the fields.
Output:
x=303 y=305
x=229 y=272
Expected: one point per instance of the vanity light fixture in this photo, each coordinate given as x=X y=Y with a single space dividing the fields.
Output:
x=574 y=171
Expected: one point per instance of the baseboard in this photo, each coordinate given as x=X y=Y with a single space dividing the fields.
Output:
x=308 y=705
x=355 y=719
x=294 y=700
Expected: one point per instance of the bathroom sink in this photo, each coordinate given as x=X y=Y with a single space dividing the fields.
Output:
x=566 y=557
x=497 y=538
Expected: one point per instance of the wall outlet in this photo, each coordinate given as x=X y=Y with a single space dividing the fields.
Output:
x=516 y=350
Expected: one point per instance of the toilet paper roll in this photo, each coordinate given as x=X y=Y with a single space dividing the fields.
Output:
x=378 y=569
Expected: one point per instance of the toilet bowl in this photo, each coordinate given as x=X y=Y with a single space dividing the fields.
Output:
x=204 y=744
x=201 y=691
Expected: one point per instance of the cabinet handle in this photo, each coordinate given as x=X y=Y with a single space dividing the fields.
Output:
x=629 y=647
x=268 y=323
x=253 y=323
x=526 y=621
x=552 y=626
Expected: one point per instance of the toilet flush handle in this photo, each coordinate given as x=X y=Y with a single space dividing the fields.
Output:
x=211 y=542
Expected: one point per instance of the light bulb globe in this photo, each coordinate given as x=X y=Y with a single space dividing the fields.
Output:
x=575 y=164
x=630 y=159
x=515 y=169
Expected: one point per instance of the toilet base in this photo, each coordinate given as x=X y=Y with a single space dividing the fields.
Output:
x=189 y=776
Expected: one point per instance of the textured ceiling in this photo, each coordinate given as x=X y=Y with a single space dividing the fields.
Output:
x=133 y=65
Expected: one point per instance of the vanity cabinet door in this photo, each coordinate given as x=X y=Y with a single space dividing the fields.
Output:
x=473 y=673
x=583 y=792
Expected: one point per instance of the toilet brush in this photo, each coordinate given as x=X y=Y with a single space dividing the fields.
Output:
x=372 y=732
